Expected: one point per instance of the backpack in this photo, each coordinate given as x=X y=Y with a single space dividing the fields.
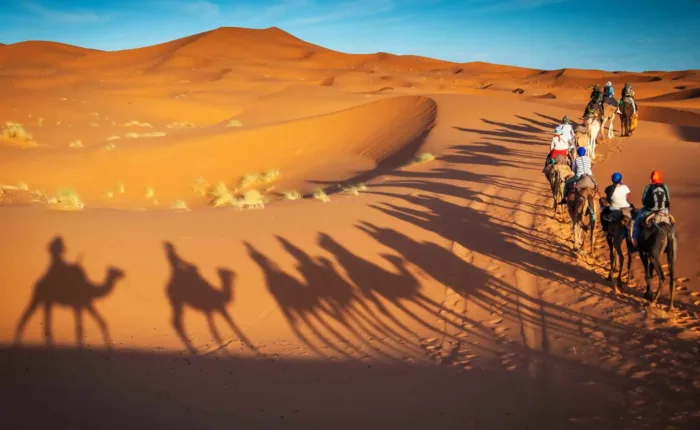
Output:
x=657 y=198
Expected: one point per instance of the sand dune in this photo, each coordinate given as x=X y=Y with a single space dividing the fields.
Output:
x=373 y=306
x=334 y=146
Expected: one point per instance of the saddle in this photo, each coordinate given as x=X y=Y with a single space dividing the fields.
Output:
x=560 y=159
x=618 y=214
x=585 y=182
x=610 y=101
x=658 y=218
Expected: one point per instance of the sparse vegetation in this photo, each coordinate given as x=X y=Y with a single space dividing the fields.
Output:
x=291 y=195
x=68 y=199
x=200 y=186
x=133 y=135
x=423 y=158
x=251 y=199
x=148 y=192
x=109 y=194
x=185 y=124
x=179 y=205
x=120 y=187
x=320 y=194
x=265 y=177
x=355 y=189
x=14 y=130
x=113 y=137
x=76 y=144
x=221 y=195
x=109 y=146
x=135 y=123
x=234 y=123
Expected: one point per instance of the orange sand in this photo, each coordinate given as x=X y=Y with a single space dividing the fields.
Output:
x=442 y=296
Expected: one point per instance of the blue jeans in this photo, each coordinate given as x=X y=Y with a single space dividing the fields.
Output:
x=643 y=213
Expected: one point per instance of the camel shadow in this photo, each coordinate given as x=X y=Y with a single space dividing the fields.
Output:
x=67 y=285
x=187 y=288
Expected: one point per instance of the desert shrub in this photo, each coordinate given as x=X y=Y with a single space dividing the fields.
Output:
x=14 y=130
x=76 y=144
x=291 y=195
x=234 y=123
x=320 y=194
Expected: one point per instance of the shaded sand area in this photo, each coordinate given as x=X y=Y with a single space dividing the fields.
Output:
x=442 y=294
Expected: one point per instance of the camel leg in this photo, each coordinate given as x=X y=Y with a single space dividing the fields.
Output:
x=78 y=326
x=47 y=324
x=575 y=237
x=647 y=274
x=31 y=308
x=618 y=248
x=611 y=129
x=212 y=328
x=630 y=274
x=608 y=239
x=662 y=277
x=101 y=323
x=671 y=269
x=237 y=330
x=179 y=328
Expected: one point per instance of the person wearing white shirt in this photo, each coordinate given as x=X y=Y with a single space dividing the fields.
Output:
x=616 y=195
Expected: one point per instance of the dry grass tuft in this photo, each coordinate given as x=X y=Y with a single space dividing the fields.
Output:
x=120 y=187
x=185 y=124
x=423 y=158
x=14 y=130
x=320 y=194
x=291 y=195
x=266 y=177
x=135 y=123
x=221 y=195
x=251 y=199
x=148 y=192
x=234 y=123
x=179 y=205
x=132 y=135
x=354 y=190
x=68 y=199
x=76 y=144
x=200 y=186
x=108 y=147
x=113 y=137
x=153 y=134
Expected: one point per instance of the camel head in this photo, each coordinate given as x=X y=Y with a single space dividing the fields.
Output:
x=226 y=275
x=114 y=273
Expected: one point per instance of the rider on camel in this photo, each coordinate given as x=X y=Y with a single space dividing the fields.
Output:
x=655 y=198
x=582 y=167
x=616 y=195
x=597 y=99
x=559 y=146
x=608 y=90
x=568 y=130
x=628 y=92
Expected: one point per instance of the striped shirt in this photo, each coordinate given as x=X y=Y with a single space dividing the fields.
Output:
x=582 y=166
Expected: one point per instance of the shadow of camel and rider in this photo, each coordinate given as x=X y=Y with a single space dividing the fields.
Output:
x=66 y=284
x=187 y=288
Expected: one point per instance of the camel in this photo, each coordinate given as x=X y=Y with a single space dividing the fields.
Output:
x=187 y=287
x=583 y=199
x=619 y=230
x=658 y=237
x=557 y=176
x=628 y=114
x=592 y=130
x=609 y=114
x=66 y=284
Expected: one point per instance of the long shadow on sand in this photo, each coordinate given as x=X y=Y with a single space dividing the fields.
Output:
x=187 y=288
x=65 y=284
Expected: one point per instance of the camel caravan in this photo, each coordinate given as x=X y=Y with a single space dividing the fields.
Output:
x=649 y=230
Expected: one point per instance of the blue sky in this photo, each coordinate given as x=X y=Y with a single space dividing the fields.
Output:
x=610 y=35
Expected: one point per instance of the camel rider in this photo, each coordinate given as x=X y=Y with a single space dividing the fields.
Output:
x=608 y=90
x=568 y=130
x=582 y=167
x=616 y=195
x=596 y=98
x=628 y=92
x=559 y=146
x=654 y=198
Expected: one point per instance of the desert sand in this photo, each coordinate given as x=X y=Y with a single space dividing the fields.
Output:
x=434 y=294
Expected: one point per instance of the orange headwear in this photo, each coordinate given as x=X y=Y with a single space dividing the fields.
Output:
x=656 y=177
